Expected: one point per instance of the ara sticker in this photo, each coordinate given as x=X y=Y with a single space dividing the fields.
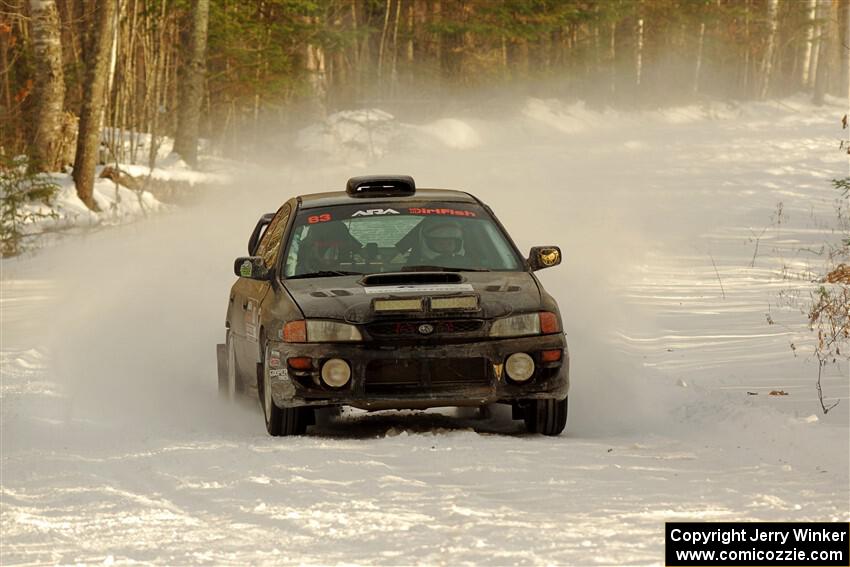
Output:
x=324 y=217
x=245 y=269
x=450 y=212
x=371 y=212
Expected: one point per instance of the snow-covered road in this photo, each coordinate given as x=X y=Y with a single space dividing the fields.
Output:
x=115 y=448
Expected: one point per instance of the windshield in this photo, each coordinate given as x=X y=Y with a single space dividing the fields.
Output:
x=376 y=237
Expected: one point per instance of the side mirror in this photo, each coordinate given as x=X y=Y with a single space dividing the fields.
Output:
x=252 y=267
x=258 y=232
x=544 y=257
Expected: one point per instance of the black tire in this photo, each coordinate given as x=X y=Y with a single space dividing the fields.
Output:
x=280 y=421
x=548 y=417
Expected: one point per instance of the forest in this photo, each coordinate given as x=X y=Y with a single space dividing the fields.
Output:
x=229 y=72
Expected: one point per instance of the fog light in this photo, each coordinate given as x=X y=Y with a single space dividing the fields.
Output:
x=519 y=366
x=336 y=373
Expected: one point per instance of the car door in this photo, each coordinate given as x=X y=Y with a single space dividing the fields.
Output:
x=253 y=292
x=235 y=319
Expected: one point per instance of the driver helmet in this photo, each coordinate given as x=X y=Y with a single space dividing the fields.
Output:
x=443 y=238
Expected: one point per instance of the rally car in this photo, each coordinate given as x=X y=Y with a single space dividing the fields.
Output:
x=385 y=296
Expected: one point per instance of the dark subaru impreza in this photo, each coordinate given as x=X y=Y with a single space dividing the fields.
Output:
x=386 y=296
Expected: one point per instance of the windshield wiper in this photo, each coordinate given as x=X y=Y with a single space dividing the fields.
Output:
x=440 y=269
x=325 y=274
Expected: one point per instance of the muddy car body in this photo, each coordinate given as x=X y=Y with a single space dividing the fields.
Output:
x=385 y=296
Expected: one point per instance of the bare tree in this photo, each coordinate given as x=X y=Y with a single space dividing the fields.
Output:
x=94 y=99
x=49 y=88
x=192 y=86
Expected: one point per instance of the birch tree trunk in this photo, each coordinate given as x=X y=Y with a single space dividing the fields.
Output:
x=822 y=69
x=698 y=65
x=844 y=45
x=94 y=98
x=382 y=44
x=806 y=63
x=408 y=45
x=639 y=50
x=770 y=52
x=612 y=56
x=191 y=88
x=49 y=88
x=747 y=64
x=315 y=65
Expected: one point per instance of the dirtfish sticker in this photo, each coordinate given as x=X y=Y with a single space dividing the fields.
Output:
x=245 y=269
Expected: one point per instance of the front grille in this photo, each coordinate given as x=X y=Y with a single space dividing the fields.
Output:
x=411 y=329
x=426 y=375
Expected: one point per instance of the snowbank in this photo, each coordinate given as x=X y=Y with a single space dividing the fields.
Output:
x=452 y=133
x=352 y=135
x=359 y=137
x=65 y=212
x=118 y=204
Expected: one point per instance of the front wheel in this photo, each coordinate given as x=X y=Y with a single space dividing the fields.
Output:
x=548 y=417
x=280 y=421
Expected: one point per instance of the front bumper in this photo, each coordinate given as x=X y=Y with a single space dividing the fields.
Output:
x=387 y=376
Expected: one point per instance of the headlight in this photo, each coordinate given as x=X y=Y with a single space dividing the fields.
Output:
x=318 y=331
x=331 y=332
x=543 y=322
x=515 y=326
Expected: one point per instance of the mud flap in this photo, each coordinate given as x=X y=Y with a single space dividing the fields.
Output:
x=221 y=357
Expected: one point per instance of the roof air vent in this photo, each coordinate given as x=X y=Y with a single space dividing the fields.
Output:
x=381 y=186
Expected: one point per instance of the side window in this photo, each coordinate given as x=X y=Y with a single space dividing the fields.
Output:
x=270 y=242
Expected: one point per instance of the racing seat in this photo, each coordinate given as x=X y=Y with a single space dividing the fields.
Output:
x=326 y=247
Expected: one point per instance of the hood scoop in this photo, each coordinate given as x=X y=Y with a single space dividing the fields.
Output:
x=412 y=278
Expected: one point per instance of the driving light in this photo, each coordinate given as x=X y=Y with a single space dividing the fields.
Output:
x=516 y=325
x=336 y=373
x=398 y=304
x=465 y=302
x=519 y=366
